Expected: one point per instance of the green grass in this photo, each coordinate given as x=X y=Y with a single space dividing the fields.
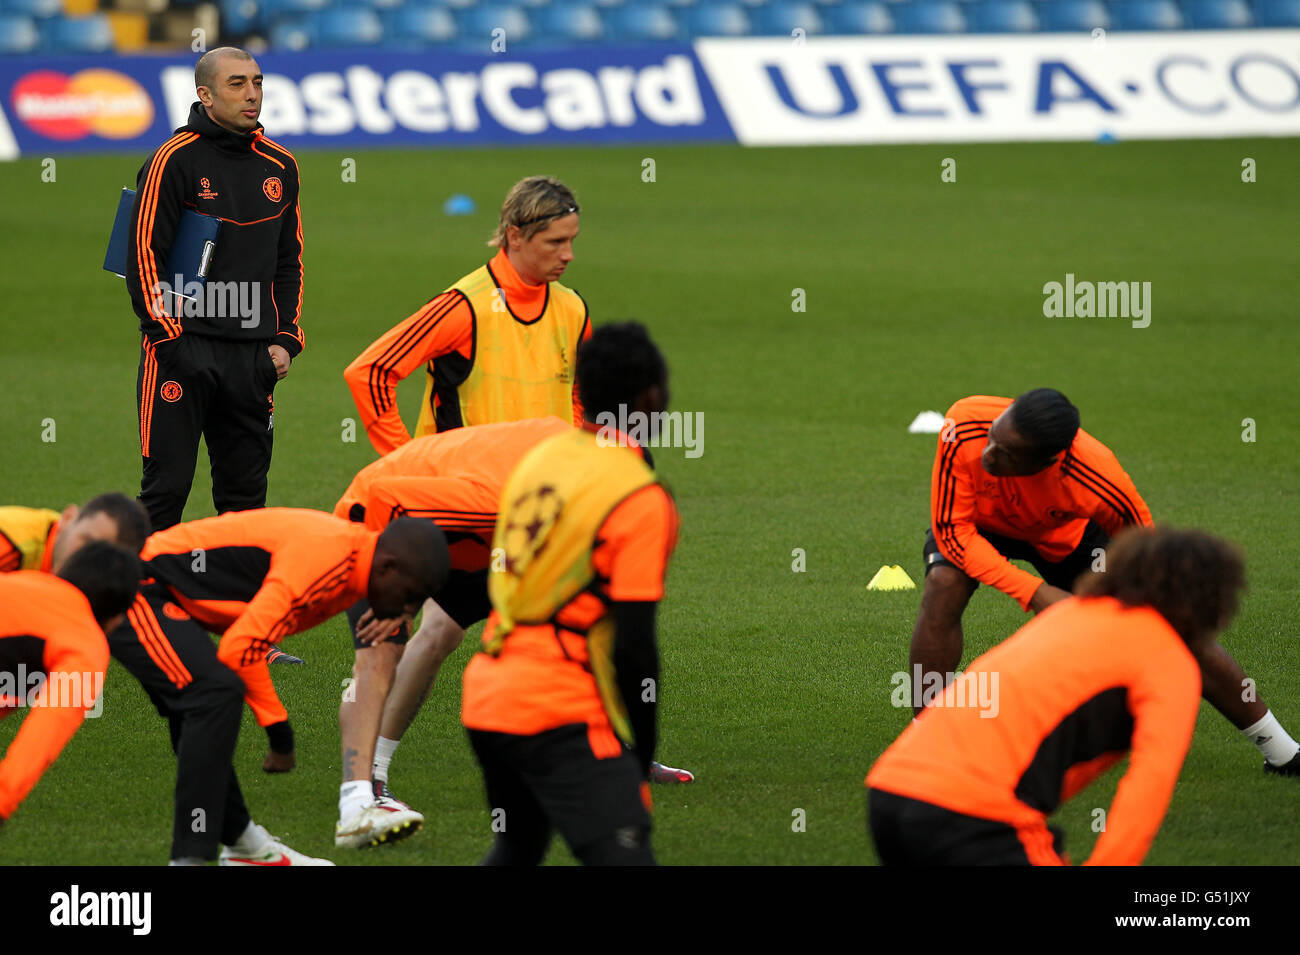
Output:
x=776 y=684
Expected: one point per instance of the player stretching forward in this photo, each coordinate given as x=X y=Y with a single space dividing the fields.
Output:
x=560 y=703
x=52 y=628
x=1022 y=480
x=1076 y=688
x=454 y=479
x=254 y=577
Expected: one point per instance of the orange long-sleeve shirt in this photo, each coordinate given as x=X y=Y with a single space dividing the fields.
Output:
x=454 y=479
x=443 y=330
x=542 y=678
x=46 y=627
x=256 y=577
x=1042 y=714
x=1050 y=509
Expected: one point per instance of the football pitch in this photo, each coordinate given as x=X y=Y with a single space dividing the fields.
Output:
x=810 y=303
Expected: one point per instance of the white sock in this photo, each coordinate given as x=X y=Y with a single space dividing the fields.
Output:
x=1270 y=739
x=355 y=795
x=188 y=860
x=252 y=840
x=384 y=749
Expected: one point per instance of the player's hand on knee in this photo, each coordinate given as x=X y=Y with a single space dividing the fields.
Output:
x=371 y=630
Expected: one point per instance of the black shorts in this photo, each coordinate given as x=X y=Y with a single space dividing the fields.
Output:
x=553 y=780
x=464 y=598
x=910 y=832
x=1061 y=574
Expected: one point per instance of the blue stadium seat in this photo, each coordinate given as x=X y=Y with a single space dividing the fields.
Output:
x=32 y=8
x=856 y=16
x=292 y=33
x=415 y=26
x=1277 y=13
x=18 y=33
x=347 y=26
x=568 y=23
x=377 y=5
x=90 y=34
x=639 y=23
x=1072 y=16
x=239 y=17
x=1001 y=16
x=477 y=23
x=782 y=18
x=1145 y=15
x=716 y=19
x=929 y=16
x=1216 y=14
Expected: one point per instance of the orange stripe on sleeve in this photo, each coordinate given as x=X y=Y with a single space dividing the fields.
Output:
x=145 y=624
x=144 y=230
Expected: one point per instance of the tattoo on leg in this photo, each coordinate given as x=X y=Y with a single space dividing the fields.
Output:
x=349 y=762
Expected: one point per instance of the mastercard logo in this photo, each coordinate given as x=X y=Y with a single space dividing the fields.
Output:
x=91 y=102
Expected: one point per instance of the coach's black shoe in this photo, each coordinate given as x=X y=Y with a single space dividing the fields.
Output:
x=1286 y=769
x=276 y=655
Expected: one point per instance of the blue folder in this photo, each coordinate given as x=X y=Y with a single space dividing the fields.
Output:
x=191 y=251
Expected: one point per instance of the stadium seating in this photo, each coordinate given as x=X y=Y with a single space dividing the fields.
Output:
x=929 y=16
x=240 y=17
x=1001 y=16
x=1072 y=16
x=92 y=34
x=1277 y=13
x=469 y=24
x=1145 y=15
x=417 y=26
x=568 y=23
x=347 y=26
x=478 y=23
x=640 y=23
x=18 y=33
x=782 y=19
x=716 y=19
x=32 y=8
x=1216 y=14
x=857 y=16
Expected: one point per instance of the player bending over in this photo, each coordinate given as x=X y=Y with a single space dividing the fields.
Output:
x=254 y=577
x=1022 y=480
x=52 y=628
x=454 y=479
x=1110 y=671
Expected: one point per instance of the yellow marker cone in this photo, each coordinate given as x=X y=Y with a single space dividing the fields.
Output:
x=892 y=577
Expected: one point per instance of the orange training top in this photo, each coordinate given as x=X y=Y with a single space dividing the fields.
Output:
x=1044 y=713
x=46 y=627
x=453 y=478
x=1050 y=509
x=542 y=678
x=442 y=334
x=258 y=576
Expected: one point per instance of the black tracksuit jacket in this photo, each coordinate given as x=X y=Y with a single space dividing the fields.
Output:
x=251 y=184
